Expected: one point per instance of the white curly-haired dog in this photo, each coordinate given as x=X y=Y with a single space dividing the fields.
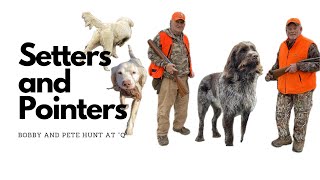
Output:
x=108 y=35
x=129 y=78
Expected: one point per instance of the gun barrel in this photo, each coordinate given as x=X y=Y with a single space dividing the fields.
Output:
x=158 y=51
x=279 y=72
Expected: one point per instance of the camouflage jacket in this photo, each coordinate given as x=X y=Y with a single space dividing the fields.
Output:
x=179 y=55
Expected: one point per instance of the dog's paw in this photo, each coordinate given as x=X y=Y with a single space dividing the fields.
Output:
x=199 y=139
x=115 y=55
x=106 y=68
x=216 y=134
x=229 y=143
x=129 y=131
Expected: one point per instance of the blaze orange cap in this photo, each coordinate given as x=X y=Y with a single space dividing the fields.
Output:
x=178 y=15
x=293 y=20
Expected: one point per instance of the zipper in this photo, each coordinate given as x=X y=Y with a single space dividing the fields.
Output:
x=285 y=80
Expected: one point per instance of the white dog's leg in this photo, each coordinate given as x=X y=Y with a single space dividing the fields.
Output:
x=114 y=51
x=106 y=40
x=123 y=101
x=93 y=43
x=105 y=67
x=133 y=114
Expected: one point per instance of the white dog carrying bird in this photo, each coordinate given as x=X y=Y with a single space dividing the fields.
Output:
x=129 y=78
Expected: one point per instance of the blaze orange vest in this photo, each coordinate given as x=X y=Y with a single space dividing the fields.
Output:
x=298 y=82
x=166 y=46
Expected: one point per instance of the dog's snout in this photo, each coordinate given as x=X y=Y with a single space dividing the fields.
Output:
x=126 y=83
x=255 y=56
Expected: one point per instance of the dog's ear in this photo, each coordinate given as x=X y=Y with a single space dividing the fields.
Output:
x=230 y=68
x=143 y=76
x=131 y=24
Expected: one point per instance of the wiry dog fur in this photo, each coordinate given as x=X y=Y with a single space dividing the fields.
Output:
x=232 y=92
x=108 y=35
x=129 y=78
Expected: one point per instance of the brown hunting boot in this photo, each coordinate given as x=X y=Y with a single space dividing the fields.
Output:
x=282 y=141
x=163 y=140
x=183 y=131
x=297 y=146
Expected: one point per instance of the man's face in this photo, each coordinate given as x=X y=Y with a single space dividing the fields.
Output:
x=177 y=26
x=293 y=31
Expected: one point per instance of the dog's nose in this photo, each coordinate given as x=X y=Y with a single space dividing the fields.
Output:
x=255 y=56
x=126 y=83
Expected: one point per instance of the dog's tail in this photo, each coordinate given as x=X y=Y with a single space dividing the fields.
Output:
x=91 y=21
x=131 y=53
x=133 y=58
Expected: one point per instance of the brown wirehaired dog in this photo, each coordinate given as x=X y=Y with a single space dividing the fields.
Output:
x=232 y=92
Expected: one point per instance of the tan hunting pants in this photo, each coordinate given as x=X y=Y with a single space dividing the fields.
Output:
x=167 y=97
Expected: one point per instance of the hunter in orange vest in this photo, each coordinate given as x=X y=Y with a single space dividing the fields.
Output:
x=300 y=81
x=166 y=47
x=175 y=45
x=296 y=86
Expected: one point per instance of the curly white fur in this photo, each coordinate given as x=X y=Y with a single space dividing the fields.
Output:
x=108 y=35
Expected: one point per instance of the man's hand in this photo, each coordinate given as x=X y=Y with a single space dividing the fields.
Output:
x=191 y=74
x=292 y=68
x=170 y=68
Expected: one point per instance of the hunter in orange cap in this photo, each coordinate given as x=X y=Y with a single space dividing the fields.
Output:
x=175 y=45
x=296 y=86
x=293 y=20
x=178 y=15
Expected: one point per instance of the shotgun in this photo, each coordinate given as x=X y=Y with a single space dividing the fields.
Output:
x=279 y=72
x=182 y=89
